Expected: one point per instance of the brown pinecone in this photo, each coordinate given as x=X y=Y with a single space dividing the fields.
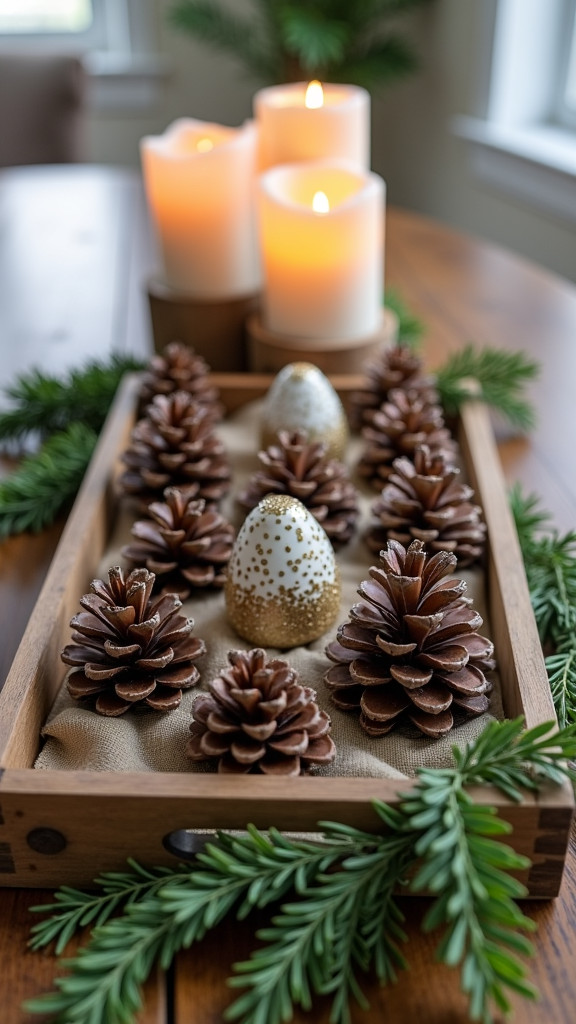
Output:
x=402 y=423
x=178 y=368
x=184 y=543
x=410 y=650
x=303 y=470
x=259 y=718
x=174 y=445
x=423 y=500
x=396 y=367
x=130 y=649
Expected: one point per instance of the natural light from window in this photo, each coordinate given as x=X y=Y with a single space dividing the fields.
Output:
x=45 y=15
x=570 y=90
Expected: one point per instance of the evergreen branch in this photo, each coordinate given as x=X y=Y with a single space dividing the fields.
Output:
x=346 y=918
x=223 y=30
x=315 y=944
x=550 y=564
x=410 y=329
x=76 y=909
x=44 y=483
x=104 y=986
x=500 y=377
x=44 y=404
x=316 y=41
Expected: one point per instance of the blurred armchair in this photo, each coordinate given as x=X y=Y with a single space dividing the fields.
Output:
x=41 y=109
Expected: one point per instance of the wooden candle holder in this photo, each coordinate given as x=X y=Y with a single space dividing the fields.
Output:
x=214 y=328
x=269 y=352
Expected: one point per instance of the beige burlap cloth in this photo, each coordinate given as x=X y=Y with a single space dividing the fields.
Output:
x=143 y=740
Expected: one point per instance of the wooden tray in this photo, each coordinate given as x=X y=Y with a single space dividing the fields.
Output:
x=64 y=827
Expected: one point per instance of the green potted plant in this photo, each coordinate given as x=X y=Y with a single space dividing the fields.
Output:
x=353 y=41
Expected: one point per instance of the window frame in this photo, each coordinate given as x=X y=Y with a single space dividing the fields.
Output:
x=517 y=143
x=120 y=52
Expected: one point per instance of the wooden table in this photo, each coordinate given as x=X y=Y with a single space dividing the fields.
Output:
x=75 y=249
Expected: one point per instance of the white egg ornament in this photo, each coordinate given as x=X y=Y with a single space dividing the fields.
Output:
x=282 y=584
x=302 y=398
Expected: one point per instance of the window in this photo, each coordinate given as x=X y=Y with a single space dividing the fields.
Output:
x=45 y=15
x=116 y=38
x=566 y=104
x=523 y=139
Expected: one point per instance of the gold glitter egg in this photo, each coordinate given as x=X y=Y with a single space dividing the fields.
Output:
x=283 y=584
x=302 y=398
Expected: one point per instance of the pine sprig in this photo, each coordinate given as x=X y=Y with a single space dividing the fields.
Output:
x=44 y=404
x=550 y=564
x=410 y=328
x=44 y=483
x=345 y=918
x=77 y=909
x=500 y=377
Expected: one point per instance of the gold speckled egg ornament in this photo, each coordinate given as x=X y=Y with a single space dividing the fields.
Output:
x=302 y=398
x=283 y=584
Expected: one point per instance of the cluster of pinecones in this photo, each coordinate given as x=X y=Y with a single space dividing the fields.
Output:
x=131 y=646
x=410 y=650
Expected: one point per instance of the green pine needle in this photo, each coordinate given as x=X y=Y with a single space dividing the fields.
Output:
x=550 y=563
x=500 y=376
x=336 y=40
x=410 y=329
x=43 y=404
x=339 y=917
x=45 y=483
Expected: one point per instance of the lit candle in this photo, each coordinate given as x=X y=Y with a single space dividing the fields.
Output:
x=199 y=181
x=322 y=243
x=310 y=122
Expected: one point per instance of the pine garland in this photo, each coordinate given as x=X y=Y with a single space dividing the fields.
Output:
x=44 y=404
x=45 y=483
x=334 y=40
x=340 y=917
x=67 y=415
x=500 y=376
x=550 y=563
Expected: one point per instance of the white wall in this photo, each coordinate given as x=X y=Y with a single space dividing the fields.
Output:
x=426 y=168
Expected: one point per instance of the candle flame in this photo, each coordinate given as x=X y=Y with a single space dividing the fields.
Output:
x=314 y=95
x=204 y=145
x=320 y=203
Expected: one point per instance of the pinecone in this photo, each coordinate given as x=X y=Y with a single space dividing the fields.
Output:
x=396 y=367
x=423 y=500
x=410 y=650
x=303 y=470
x=130 y=649
x=402 y=423
x=184 y=543
x=178 y=368
x=259 y=718
x=174 y=445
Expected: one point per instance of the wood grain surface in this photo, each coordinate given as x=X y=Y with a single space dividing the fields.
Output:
x=75 y=250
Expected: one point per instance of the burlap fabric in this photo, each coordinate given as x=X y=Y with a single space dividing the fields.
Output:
x=143 y=740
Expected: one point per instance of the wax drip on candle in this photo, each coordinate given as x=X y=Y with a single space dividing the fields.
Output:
x=314 y=95
x=204 y=145
x=320 y=203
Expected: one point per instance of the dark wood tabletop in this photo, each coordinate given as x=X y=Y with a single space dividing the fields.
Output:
x=75 y=252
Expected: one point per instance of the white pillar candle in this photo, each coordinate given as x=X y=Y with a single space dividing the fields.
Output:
x=199 y=181
x=323 y=271
x=335 y=125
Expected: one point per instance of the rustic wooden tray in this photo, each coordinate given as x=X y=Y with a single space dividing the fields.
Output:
x=64 y=827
